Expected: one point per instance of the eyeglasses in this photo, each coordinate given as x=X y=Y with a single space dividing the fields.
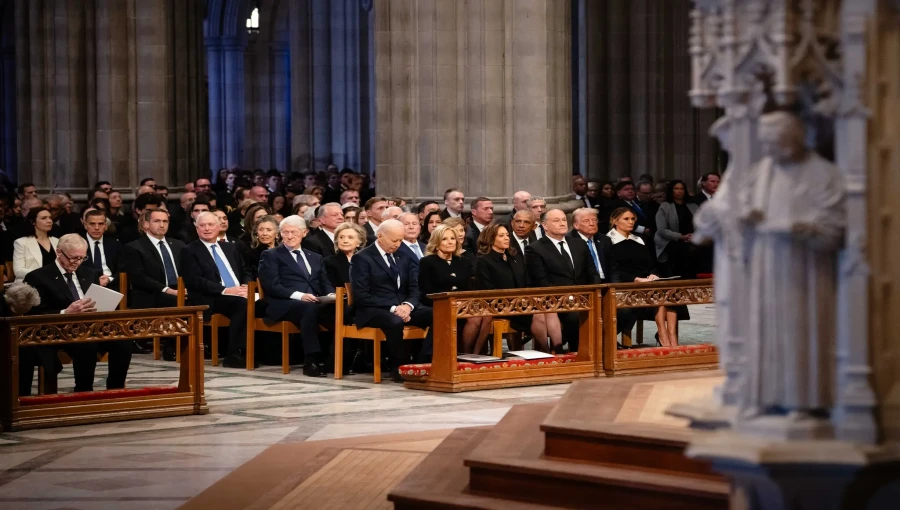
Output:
x=72 y=259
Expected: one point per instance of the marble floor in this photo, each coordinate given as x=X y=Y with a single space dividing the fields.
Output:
x=162 y=463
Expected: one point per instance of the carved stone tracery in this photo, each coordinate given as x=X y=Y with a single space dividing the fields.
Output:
x=102 y=330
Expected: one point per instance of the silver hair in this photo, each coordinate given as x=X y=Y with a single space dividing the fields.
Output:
x=414 y=215
x=205 y=213
x=388 y=225
x=56 y=196
x=531 y=216
x=387 y=212
x=293 y=221
x=303 y=199
x=534 y=199
x=71 y=241
x=310 y=215
x=323 y=209
x=581 y=211
x=21 y=297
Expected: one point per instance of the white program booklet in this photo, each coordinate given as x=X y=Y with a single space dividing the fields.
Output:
x=531 y=354
x=106 y=300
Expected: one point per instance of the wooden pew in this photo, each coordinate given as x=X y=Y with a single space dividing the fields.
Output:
x=375 y=335
x=254 y=324
x=180 y=303
x=652 y=359
x=15 y=332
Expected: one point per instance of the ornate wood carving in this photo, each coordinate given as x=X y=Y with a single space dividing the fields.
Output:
x=638 y=298
x=526 y=305
x=125 y=329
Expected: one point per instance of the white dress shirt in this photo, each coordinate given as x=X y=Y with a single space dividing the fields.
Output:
x=452 y=214
x=479 y=226
x=568 y=248
x=299 y=295
x=522 y=243
x=221 y=254
x=591 y=241
x=155 y=242
x=329 y=234
x=384 y=257
x=708 y=196
x=91 y=243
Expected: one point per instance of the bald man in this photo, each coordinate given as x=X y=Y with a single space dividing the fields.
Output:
x=520 y=203
x=386 y=294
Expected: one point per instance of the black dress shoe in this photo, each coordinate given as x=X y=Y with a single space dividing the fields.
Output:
x=207 y=352
x=237 y=360
x=168 y=353
x=313 y=369
x=396 y=377
x=137 y=348
x=358 y=364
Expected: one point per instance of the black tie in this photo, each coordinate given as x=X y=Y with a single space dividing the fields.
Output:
x=395 y=272
x=301 y=263
x=71 y=283
x=171 y=276
x=98 y=260
x=565 y=254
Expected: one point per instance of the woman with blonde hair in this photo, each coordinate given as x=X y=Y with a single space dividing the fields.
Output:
x=459 y=227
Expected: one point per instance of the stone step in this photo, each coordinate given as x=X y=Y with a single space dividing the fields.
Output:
x=509 y=464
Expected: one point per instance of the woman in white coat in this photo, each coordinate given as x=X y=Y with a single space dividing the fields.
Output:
x=36 y=249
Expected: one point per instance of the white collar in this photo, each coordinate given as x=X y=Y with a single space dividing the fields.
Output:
x=61 y=269
x=374 y=226
x=517 y=238
x=618 y=238
x=583 y=237
x=156 y=241
x=380 y=249
x=479 y=226
x=91 y=241
x=708 y=196
x=453 y=214
x=329 y=234
x=411 y=243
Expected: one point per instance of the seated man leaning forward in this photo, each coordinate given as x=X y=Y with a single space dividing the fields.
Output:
x=385 y=292
x=294 y=279
x=62 y=286
x=214 y=276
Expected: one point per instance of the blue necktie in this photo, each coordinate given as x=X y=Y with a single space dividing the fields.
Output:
x=72 y=289
x=227 y=281
x=98 y=260
x=416 y=250
x=637 y=209
x=590 y=244
x=171 y=276
x=301 y=263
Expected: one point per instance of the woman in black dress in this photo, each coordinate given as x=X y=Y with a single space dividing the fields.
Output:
x=348 y=239
x=631 y=261
x=459 y=226
x=263 y=237
x=499 y=265
x=443 y=270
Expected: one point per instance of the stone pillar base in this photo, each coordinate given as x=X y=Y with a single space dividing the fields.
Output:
x=802 y=475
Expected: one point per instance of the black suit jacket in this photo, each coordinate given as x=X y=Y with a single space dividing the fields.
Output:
x=53 y=289
x=319 y=242
x=643 y=217
x=699 y=198
x=465 y=216
x=602 y=246
x=127 y=230
x=337 y=267
x=374 y=288
x=471 y=241
x=201 y=276
x=281 y=276
x=146 y=274
x=492 y=272
x=370 y=234
x=547 y=267
x=112 y=249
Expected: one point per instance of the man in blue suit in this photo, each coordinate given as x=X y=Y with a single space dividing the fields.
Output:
x=411 y=245
x=294 y=279
x=386 y=294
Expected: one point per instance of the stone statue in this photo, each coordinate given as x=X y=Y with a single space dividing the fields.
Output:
x=793 y=208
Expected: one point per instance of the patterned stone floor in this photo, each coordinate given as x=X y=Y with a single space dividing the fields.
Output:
x=162 y=463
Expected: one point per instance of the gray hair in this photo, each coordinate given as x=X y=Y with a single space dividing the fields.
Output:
x=526 y=212
x=581 y=211
x=323 y=209
x=310 y=215
x=62 y=199
x=71 y=241
x=388 y=212
x=303 y=199
x=535 y=199
x=21 y=298
x=388 y=225
x=205 y=213
x=293 y=221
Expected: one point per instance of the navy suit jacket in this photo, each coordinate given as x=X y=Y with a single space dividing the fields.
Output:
x=201 y=276
x=374 y=288
x=406 y=249
x=112 y=249
x=280 y=276
x=146 y=274
x=601 y=245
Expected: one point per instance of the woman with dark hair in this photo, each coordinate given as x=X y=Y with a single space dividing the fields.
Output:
x=264 y=236
x=38 y=248
x=279 y=205
x=253 y=214
x=432 y=220
x=499 y=265
x=674 y=231
x=348 y=239
x=316 y=191
x=608 y=191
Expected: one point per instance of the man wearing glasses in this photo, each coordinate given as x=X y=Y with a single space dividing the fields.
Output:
x=62 y=286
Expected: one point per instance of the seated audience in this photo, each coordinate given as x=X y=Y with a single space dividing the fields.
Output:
x=253 y=214
x=38 y=247
x=62 y=286
x=104 y=250
x=224 y=237
x=265 y=237
x=411 y=229
x=632 y=262
x=362 y=219
x=374 y=210
x=675 y=229
x=555 y=261
x=425 y=208
x=454 y=205
x=348 y=239
x=431 y=221
x=294 y=279
x=584 y=230
x=501 y=265
x=442 y=269
x=321 y=241
x=350 y=212
x=278 y=204
x=482 y=216
x=523 y=232
x=129 y=228
x=349 y=196
x=214 y=276
x=459 y=226
x=386 y=294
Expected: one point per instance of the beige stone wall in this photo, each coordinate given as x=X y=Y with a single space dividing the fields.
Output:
x=110 y=90
x=473 y=94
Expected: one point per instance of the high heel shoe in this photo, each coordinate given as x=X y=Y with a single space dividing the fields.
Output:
x=658 y=343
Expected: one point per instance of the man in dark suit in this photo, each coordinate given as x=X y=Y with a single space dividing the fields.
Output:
x=584 y=230
x=482 y=216
x=411 y=245
x=386 y=294
x=214 y=276
x=454 y=203
x=644 y=196
x=104 y=250
x=153 y=265
x=127 y=231
x=523 y=232
x=374 y=207
x=62 y=287
x=294 y=279
x=709 y=184
x=555 y=261
x=321 y=241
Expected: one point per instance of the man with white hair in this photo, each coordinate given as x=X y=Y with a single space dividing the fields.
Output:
x=321 y=241
x=386 y=294
x=62 y=287
x=411 y=229
x=294 y=279
x=214 y=276
x=392 y=213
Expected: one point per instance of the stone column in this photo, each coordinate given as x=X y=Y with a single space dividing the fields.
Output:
x=320 y=76
x=216 y=107
x=281 y=120
x=233 y=99
x=8 y=160
x=475 y=95
x=108 y=104
x=301 y=107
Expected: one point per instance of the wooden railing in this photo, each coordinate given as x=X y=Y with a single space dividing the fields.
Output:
x=58 y=330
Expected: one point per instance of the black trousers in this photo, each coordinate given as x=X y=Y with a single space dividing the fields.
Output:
x=235 y=308
x=84 y=361
x=392 y=326
x=570 y=322
x=307 y=317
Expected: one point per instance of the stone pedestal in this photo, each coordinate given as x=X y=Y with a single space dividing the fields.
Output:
x=474 y=95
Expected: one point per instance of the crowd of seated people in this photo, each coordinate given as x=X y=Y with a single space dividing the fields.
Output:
x=306 y=233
